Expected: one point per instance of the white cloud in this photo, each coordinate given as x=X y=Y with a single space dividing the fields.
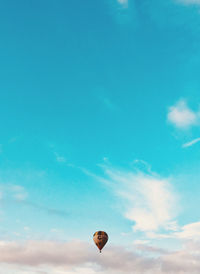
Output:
x=148 y=200
x=191 y=143
x=124 y=3
x=186 y=232
x=140 y=242
x=75 y=257
x=185 y=260
x=189 y=231
x=182 y=117
x=148 y=249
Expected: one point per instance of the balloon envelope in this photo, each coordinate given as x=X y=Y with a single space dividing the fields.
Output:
x=100 y=238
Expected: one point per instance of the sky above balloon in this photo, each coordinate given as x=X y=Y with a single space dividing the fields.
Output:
x=100 y=130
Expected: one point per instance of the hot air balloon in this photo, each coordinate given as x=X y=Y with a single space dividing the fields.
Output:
x=100 y=238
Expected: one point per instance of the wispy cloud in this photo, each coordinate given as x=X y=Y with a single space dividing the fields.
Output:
x=109 y=104
x=105 y=99
x=59 y=158
x=191 y=143
x=189 y=231
x=123 y=12
x=17 y=195
x=11 y=191
x=183 y=117
x=124 y=3
x=48 y=210
x=149 y=200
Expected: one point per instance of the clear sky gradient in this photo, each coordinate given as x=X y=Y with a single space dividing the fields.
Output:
x=100 y=128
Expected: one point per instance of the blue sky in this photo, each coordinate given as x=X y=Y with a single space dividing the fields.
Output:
x=100 y=129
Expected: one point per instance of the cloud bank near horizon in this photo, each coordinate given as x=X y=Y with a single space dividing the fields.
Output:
x=71 y=257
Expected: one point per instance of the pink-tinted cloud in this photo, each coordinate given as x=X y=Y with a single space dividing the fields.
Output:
x=79 y=257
